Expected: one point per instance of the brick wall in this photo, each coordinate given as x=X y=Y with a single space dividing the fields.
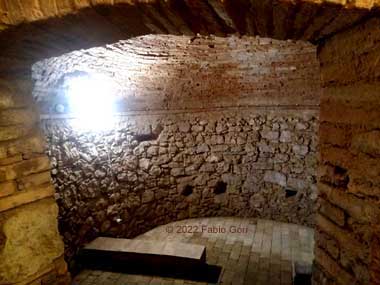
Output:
x=347 y=238
x=180 y=72
x=212 y=127
x=31 y=249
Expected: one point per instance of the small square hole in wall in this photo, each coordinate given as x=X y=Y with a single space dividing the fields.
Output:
x=187 y=190
x=289 y=192
x=220 y=188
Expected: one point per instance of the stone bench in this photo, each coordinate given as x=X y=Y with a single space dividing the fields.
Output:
x=149 y=257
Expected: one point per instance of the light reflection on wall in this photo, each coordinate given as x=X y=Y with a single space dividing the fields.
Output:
x=92 y=102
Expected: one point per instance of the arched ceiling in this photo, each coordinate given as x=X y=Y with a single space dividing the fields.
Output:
x=37 y=29
x=14 y=12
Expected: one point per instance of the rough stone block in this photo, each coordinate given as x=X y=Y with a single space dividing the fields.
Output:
x=147 y=196
x=270 y=135
x=34 y=241
x=275 y=178
x=286 y=136
x=298 y=184
x=301 y=150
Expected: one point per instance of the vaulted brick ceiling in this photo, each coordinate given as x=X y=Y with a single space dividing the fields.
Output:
x=15 y=12
x=31 y=29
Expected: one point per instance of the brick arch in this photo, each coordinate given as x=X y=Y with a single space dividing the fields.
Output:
x=17 y=12
x=33 y=30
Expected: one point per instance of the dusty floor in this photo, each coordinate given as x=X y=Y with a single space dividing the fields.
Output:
x=249 y=251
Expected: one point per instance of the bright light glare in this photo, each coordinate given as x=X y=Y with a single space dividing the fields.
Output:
x=92 y=102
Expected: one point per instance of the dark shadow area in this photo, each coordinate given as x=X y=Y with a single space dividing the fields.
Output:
x=290 y=192
x=220 y=188
x=302 y=279
x=303 y=274
x=187 y=190
x=27 y=43
x=155 y=265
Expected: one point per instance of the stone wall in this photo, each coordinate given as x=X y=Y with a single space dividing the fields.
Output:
x=348 y=248
x=185 y=146
x=174 y=166
x=31 y=249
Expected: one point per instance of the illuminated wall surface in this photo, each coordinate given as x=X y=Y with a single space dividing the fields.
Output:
x=203 y=127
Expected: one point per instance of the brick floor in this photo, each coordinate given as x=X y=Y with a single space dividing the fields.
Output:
x=263 y=252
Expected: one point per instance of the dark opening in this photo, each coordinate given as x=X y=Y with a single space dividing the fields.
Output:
x=303 y=273
x=150 y=135
x=187 y=190
x=341 y=178
x=220 y=187
x=290 y=192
